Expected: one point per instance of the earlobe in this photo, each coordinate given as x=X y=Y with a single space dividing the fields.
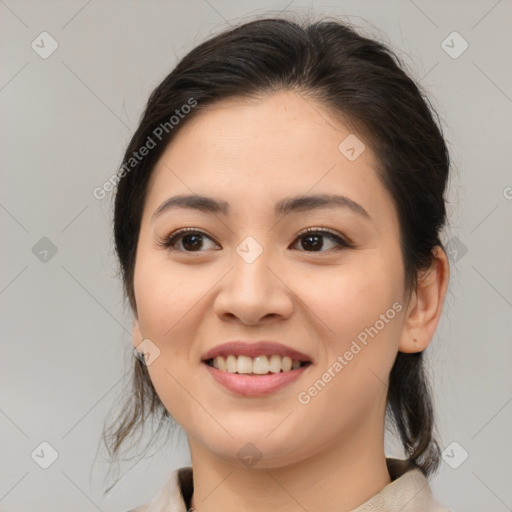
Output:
x=426 y=305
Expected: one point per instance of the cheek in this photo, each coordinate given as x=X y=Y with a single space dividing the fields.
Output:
x=169 y=306
x=360 y=321
x=349 y=297
x=165 y=296
x=360 y=318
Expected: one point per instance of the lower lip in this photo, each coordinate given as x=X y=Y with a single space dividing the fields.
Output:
x=258 y=385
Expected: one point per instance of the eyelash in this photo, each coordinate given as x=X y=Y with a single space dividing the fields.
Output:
x=343 y=243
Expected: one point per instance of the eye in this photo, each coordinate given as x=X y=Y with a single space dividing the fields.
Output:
x=312 y=238
x=190 y=238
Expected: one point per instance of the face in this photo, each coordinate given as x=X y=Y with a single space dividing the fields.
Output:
x=246 y=272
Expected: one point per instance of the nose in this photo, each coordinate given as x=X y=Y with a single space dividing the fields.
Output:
x=253 y=292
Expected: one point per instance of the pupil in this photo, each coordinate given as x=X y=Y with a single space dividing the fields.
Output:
x=315 y=245
x=195 y=244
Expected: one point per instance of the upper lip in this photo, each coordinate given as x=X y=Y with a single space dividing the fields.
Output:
x=253 y=349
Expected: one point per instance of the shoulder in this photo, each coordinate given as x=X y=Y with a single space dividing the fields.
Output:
x=174 y=496
x=409 y=491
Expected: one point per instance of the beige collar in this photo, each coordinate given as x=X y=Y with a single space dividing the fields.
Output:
x=409 y=491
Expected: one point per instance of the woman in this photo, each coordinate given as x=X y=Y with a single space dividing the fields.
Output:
x=277 y=223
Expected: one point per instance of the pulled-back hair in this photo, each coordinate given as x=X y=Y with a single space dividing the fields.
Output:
x=363 y=82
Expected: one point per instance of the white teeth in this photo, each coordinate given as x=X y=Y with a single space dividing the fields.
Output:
x=275 y=364
x=260 y=365
x=230 y=364
x=221 y=364
x=244 y=364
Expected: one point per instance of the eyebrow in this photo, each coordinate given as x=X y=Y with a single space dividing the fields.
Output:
x=283 y=207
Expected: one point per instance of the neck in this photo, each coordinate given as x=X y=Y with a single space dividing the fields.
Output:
x=339 y=477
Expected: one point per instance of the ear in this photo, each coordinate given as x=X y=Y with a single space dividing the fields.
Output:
x=426 y=304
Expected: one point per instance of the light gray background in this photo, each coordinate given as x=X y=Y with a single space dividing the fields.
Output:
x=65 y=336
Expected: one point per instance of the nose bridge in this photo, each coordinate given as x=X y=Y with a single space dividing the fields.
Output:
x=252 y=290
x=251 y=267
x=250 y=250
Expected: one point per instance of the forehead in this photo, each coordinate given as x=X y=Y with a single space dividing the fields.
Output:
x=285 y=123
x=256 y=151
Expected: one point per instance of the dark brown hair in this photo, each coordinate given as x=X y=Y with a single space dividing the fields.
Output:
x=355 y=77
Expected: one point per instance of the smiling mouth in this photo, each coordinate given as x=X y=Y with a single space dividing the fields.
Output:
x=260 y=365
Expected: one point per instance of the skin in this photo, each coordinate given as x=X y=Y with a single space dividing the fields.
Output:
x=327 y=454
